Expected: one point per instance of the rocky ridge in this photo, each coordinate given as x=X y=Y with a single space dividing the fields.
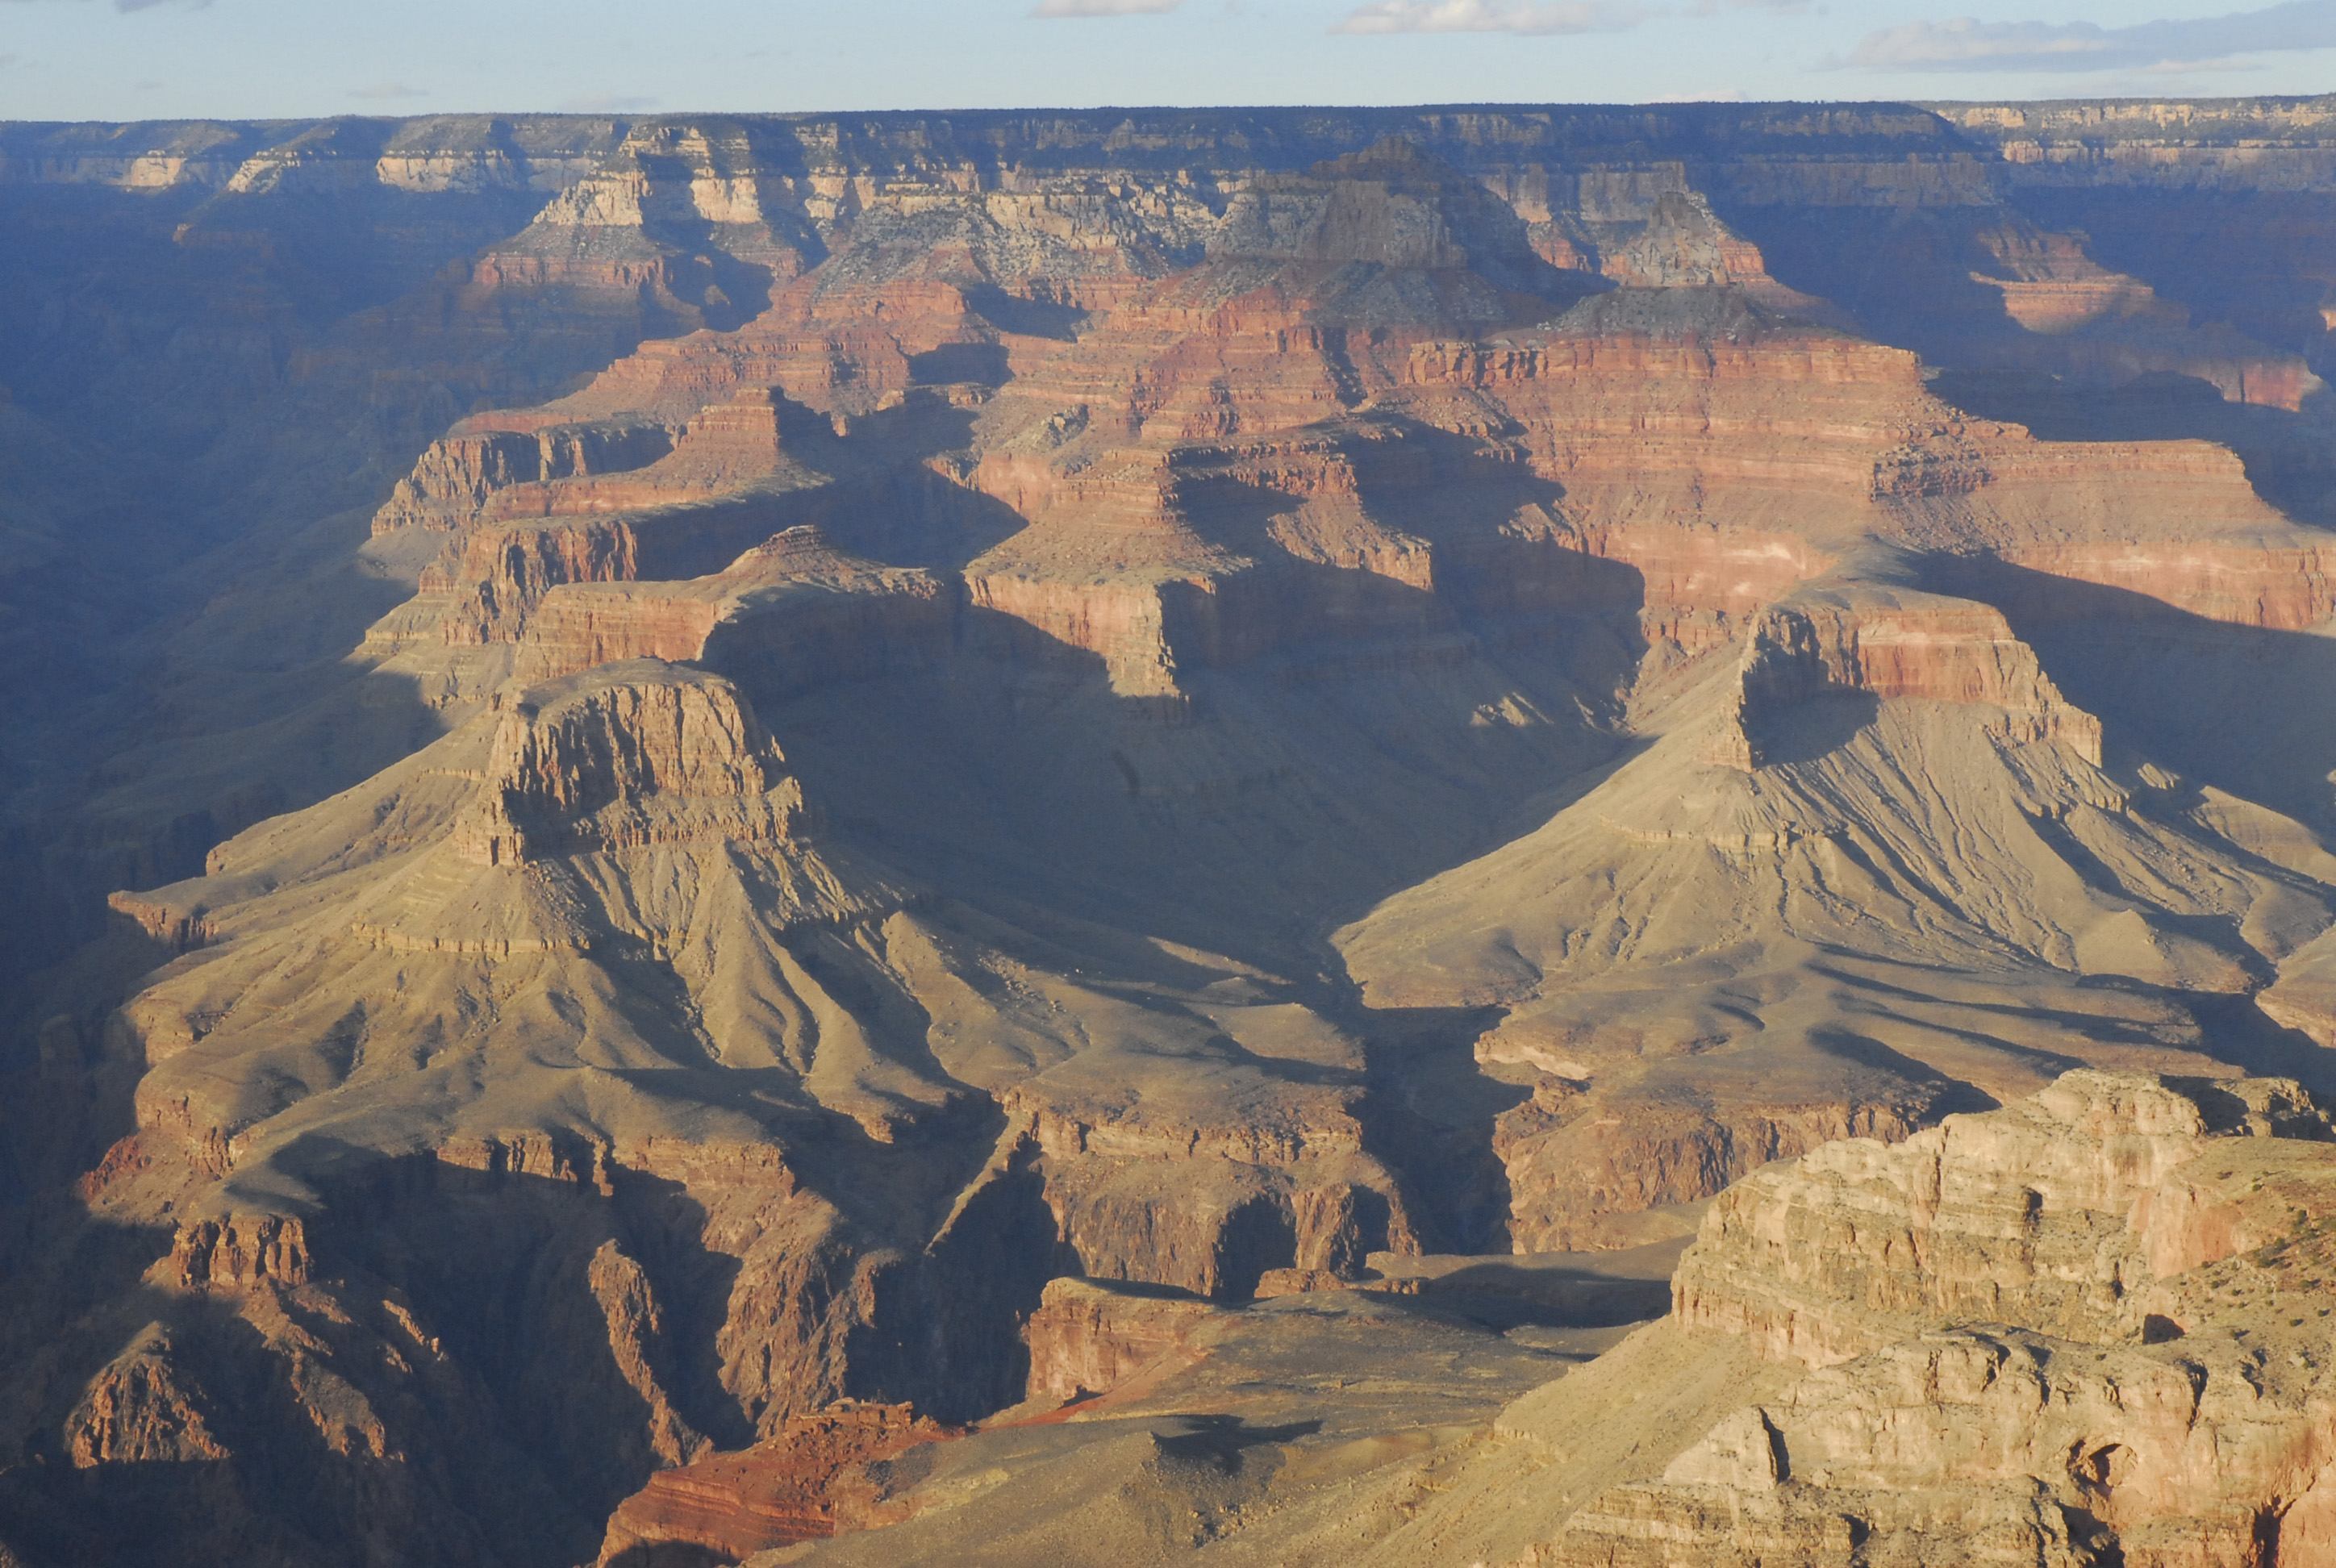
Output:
x=2079 y=1330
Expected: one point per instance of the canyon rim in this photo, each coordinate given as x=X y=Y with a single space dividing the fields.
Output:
x=1511 y=834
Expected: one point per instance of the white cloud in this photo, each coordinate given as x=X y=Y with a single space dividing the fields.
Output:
x=1531 y=16
x=387 y=89
x=1103 y=7
x=1968 y=44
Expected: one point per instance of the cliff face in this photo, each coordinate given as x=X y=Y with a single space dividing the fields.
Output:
x=930 y=760
x=2079 y=1330
x=1908 y=647
x=2089 y=1146
x=596 y=768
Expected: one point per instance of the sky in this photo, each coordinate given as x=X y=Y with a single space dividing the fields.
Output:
x=238 y=59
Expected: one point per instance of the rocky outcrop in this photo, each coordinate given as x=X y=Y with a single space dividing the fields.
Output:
x=501 y=573
x=792 y=615
x=1584 y=1174
x=2066 y=1331
x=1089 y=1337
x=1901 y=648
x=815 y=1476
x=238 y=1252
x=632 y=758
x=2055 y=1214
x=177 y=930
x=679 y=518
x=455 y=482
x=1208 y=1205
x=724 y=447
x=141 y=1411
x=1994 y=1448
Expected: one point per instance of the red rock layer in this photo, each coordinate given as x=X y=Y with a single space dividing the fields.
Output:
x=806 y=1481
x=792 y=614
x=453 y=482
x=240 y=1251
x=2278 y=585
x=1581 y=1175
x=1918 y=648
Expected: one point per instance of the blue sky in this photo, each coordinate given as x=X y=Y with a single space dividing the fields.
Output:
x=145 y=59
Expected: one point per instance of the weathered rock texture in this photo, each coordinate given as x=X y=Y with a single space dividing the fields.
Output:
x=809 y=1480
x=1086 y=1341
x=2084 y=1329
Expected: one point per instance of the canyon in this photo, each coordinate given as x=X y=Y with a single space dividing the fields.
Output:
x=1476 y=834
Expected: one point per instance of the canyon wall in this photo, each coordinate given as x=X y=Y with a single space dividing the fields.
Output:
x=2078 y=1330
x=893 y=757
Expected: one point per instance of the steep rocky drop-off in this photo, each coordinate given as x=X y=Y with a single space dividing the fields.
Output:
x=2085 y=1329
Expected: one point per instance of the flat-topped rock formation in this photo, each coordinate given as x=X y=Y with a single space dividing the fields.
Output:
x=795 y=611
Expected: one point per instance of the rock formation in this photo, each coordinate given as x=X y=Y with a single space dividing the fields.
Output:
x=810 y=1480
x=2083 y=1329
x=729 y=821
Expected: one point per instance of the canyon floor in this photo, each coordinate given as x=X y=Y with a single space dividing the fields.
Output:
x=1476 y=834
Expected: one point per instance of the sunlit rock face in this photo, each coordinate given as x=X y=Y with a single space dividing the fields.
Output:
x=2048 y=1331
